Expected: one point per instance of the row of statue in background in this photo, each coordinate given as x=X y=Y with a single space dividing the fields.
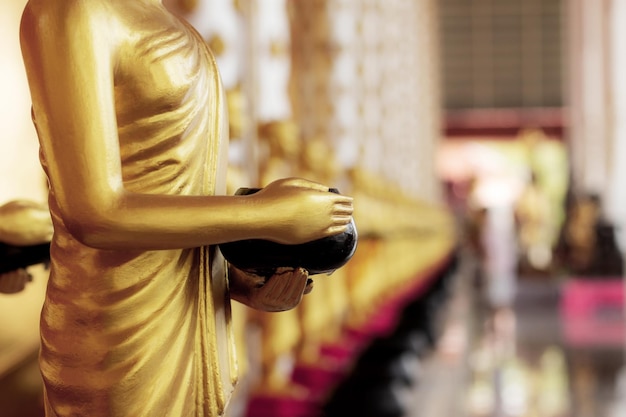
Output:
x=398 y=236
x=349 y=297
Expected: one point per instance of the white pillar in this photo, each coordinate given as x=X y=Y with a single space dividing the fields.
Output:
x=616 y=200
x=589 y=99
x=368 y=80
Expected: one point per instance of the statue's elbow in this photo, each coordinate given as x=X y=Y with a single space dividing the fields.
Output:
x=91 y=228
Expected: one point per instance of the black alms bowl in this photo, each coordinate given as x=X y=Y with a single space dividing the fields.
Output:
x=262 y=257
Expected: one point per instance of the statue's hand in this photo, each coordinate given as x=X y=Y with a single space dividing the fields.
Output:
x=24 y=223
x=280 y=292
x=14 y=281
x=303 y=211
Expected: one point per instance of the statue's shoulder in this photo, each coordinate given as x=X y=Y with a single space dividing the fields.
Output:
x=60 y=15
x=53 y=23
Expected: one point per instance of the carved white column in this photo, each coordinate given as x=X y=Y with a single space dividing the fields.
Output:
x=597 y=103
x=616 y=199
x=367 y=78
x=589 y=100
x=272 y=65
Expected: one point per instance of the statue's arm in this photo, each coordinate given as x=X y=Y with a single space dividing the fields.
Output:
x=69 y=52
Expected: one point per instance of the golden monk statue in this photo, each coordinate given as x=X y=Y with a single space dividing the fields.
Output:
x=129 y=109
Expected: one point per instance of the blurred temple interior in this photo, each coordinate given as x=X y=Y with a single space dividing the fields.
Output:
x=480 y=141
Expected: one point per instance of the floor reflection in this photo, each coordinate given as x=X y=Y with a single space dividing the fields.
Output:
x=509 y=379
x=529 y=359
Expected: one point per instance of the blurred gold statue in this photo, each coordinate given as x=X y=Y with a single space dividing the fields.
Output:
x=22 y=223
x=130 y=113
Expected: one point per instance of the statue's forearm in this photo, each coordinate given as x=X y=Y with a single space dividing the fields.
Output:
x=142 y=221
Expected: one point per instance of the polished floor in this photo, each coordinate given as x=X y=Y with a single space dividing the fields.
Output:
x=506 y=362
x=521 y=361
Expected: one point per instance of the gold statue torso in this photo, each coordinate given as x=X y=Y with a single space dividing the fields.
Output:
x=146 y=333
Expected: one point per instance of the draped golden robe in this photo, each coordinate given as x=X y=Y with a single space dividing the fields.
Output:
x=147 y=333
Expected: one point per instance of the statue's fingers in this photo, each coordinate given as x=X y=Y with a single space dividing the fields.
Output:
x=335 y=229
x=280 y=284
x=298 y=283
x=344 y=209
x=339 y=220
x=343 y=199
x=273 y=287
